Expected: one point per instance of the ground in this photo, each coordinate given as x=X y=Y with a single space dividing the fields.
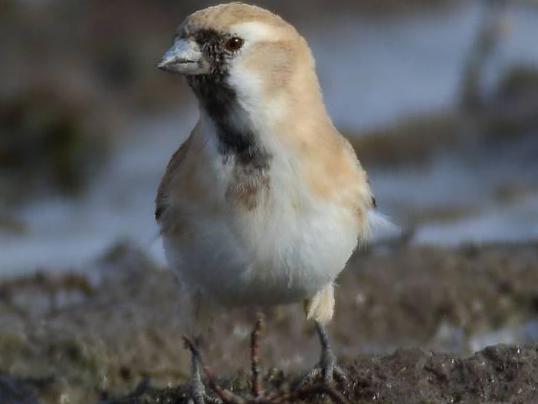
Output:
x=98 y=335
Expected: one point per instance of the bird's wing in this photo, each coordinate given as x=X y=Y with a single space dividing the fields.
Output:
x=363 y=200
x=173 y=165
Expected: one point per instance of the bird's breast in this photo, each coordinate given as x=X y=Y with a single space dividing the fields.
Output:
x=273 y=242
x=248 y=186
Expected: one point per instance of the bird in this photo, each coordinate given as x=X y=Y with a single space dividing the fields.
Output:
x=265 y=201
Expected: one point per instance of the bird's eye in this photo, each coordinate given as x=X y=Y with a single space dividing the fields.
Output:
x=234 y=44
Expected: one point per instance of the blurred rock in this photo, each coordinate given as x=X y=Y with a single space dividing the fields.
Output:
x=412 y=142
x=517 y=80
x=512 y=110
x=48 y=143
x=507 y=117
x=14 y=390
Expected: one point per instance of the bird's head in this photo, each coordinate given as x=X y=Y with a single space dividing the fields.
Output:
x=250 y=52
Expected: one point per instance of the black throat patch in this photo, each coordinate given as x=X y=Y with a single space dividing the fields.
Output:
x=237 y=140
x=236 y=136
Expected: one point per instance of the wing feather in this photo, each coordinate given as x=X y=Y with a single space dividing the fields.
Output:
x=174 y=164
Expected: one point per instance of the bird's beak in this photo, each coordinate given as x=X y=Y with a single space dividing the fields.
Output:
x=184 y=57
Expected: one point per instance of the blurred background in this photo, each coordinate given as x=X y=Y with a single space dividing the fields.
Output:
x=439 y=98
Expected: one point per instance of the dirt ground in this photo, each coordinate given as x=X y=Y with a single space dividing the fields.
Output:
x=96 y=336
x=497 y=374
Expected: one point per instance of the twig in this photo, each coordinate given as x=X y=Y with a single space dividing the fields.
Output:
x=257 y=391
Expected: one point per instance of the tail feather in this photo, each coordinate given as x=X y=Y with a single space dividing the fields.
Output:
x=381 y=226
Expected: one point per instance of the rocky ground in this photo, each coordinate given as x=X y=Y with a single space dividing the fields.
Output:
x=98 y=335
x=496 y=374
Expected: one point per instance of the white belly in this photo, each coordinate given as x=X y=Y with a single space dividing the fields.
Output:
x=287 y=248
x=272 y=256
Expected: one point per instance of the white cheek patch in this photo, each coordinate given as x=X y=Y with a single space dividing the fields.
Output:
x=247 y=84
x=247 y=79
x=255 y=31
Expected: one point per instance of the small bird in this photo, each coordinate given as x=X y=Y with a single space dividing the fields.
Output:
x=265 y=202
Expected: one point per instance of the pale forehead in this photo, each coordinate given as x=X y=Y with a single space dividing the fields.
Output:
x=256 y=31
x=237 y=18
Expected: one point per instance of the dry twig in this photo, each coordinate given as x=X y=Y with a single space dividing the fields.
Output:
x=254 y=356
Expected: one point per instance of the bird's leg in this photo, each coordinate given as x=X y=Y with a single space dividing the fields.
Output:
x=327 y=362
x=326 y=367
x=197 y=388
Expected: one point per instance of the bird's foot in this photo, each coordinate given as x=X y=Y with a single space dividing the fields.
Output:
x=197 y=392
x=327 y=370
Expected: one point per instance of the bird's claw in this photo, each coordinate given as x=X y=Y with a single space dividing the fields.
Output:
x=205 y=398
x=197 y=394
x=327 y=369
x=328 y=374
